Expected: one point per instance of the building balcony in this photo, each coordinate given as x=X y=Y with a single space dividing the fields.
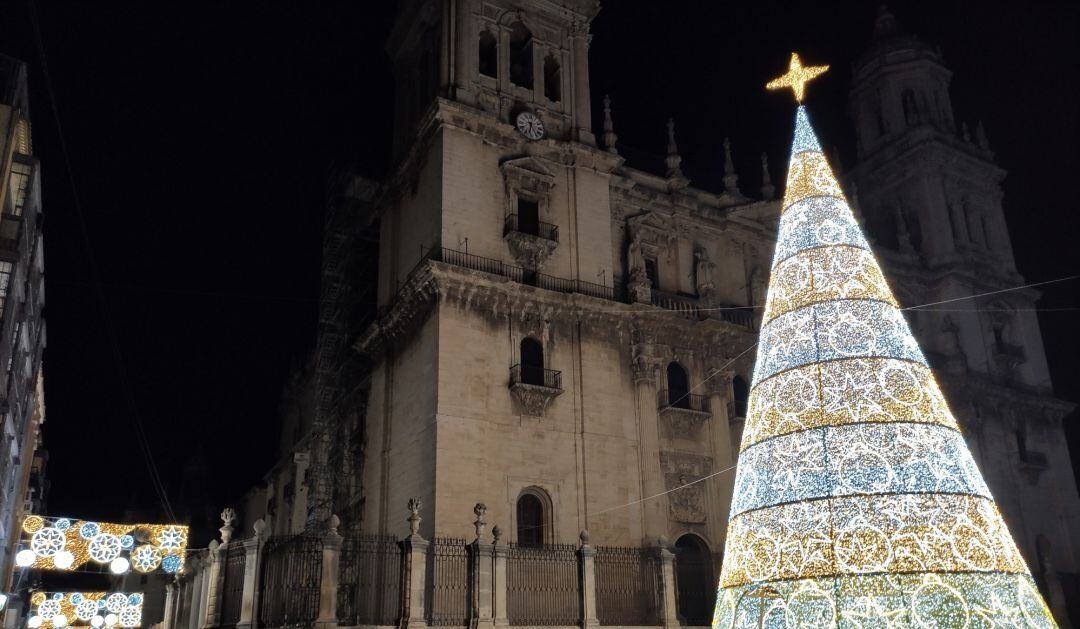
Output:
x=682 y=414
x=531 y=242
x=1009 y=355
x=692 y=308
x=535 y=387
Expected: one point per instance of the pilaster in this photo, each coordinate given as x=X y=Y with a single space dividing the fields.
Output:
x=331 y=561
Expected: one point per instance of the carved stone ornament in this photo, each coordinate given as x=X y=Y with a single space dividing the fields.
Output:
x=644 y=369
x=683 y=423
x=530 y=251
x=686 y=501
x=534 y=399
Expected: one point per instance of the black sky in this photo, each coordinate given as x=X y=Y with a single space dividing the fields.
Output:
x=201 y=136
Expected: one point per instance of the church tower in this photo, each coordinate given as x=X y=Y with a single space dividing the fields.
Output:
x=931 y=197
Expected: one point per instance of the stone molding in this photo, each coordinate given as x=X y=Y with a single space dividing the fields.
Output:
x=533 y=398
x=683 y=423
x=530 y=251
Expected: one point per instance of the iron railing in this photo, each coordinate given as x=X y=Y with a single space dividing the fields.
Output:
x=547 y=231
x=232 y=584
x=542 y=585
x=369 y=586
x=290 y=581
x=666 y=398
x=627 y=586
x=538 y=376
x=448 y=582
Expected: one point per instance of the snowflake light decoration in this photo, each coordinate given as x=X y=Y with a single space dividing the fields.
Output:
x=80 y=609
x=69 y=544
x=857 y=502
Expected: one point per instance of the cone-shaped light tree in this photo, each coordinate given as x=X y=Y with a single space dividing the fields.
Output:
x=857 y=502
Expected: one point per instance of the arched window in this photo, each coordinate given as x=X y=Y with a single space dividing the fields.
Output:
x=533 y=516
x=695 y=587
x=911 y=110
x=678 y=386
x=552 y=79
x=532 y=361
x=741 y=392
x=521 y=56
x=489 y=54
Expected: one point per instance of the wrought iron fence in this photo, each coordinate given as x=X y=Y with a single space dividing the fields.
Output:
x=448 y=582
x=543 y=585
x=369 y=586
x=667 y=398
x=628 y=586
x=540 y=229
x=290 y=581
x=232 y=584
x=529 y=374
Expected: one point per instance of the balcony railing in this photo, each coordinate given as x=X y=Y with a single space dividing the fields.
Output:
x=681 y=399
x=691 y=308
x=539 y=229
x=536 y=376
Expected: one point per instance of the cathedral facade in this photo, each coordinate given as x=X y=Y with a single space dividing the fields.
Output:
x=568 y=339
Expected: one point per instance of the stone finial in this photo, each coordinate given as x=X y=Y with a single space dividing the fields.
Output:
x=259 y=527
x=662 y=541
x=609 y=136
x=673 y=159
x=584 y=537
x=214 y=545
x=333 y=524
x=228 y=516
x=964 y=133
x=731 y=180
x=768 y=191
x=980 y=137
x=480 y=509
x=414 y=516
x=496 y=533
x=885 y=25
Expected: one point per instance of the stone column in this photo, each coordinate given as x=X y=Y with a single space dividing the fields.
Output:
x=170 y=605
x=214 y=562
x=669 y=614
x=249 y=604
x=725 y=452
x=480 y=574
x=587 y=566
x=415 y=571
x=498 y=581
x=579 y=38
x=654 y=512
x=331 y=562
x=465 y=44
x=195 y=617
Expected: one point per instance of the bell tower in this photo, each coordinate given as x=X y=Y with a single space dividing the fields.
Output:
x=502 y=57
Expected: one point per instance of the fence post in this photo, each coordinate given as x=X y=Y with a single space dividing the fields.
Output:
x=414 y=572
x=480 y=574
x=249 y=604
x=212 y=585
x=587 y=567
x=498 y=581
x=669 y=616
x=331 y=563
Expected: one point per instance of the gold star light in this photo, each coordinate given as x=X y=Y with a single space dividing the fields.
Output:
x=796 y=78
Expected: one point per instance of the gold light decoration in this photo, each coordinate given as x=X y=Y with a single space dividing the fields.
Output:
x=796 y=77
x=857 y=502
x=85 y=609
x=65 y=544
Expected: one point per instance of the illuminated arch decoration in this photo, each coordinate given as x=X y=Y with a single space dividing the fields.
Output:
x=66 y=544
x=100 y=610
x=857 y=502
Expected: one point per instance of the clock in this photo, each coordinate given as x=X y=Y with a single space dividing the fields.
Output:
x=530 y=125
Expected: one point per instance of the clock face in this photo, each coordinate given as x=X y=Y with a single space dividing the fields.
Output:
x=530 y=125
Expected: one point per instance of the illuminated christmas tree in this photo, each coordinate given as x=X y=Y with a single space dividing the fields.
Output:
x=857 y=502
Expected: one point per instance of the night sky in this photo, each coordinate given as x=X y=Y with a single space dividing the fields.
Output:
x=201 y=137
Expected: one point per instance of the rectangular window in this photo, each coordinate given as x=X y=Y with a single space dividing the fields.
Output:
x=5 y=280
x=652 y=273
x=20 y=183
x=528 y=217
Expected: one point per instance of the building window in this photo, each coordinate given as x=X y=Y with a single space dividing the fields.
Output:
x=5 y=282
x=533 y=517
x=741 y=393
x=678 y=386
x=652 y=273
x=20 y=183
x=911 y=109
x=521 y=56
x=489 y=54
x=552 y=79
x=528 y=217
x=532 y=361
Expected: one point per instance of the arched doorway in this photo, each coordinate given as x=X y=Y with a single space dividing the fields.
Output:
x=678 y=386
x=694 y=584
x=531 y=520
x=532 y=361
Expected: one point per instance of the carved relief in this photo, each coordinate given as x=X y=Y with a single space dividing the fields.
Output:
x=534 y=399
x=683 y=423
x=687 y=502
x=530 y=251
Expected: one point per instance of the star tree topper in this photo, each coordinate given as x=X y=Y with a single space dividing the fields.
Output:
x=796 y=78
